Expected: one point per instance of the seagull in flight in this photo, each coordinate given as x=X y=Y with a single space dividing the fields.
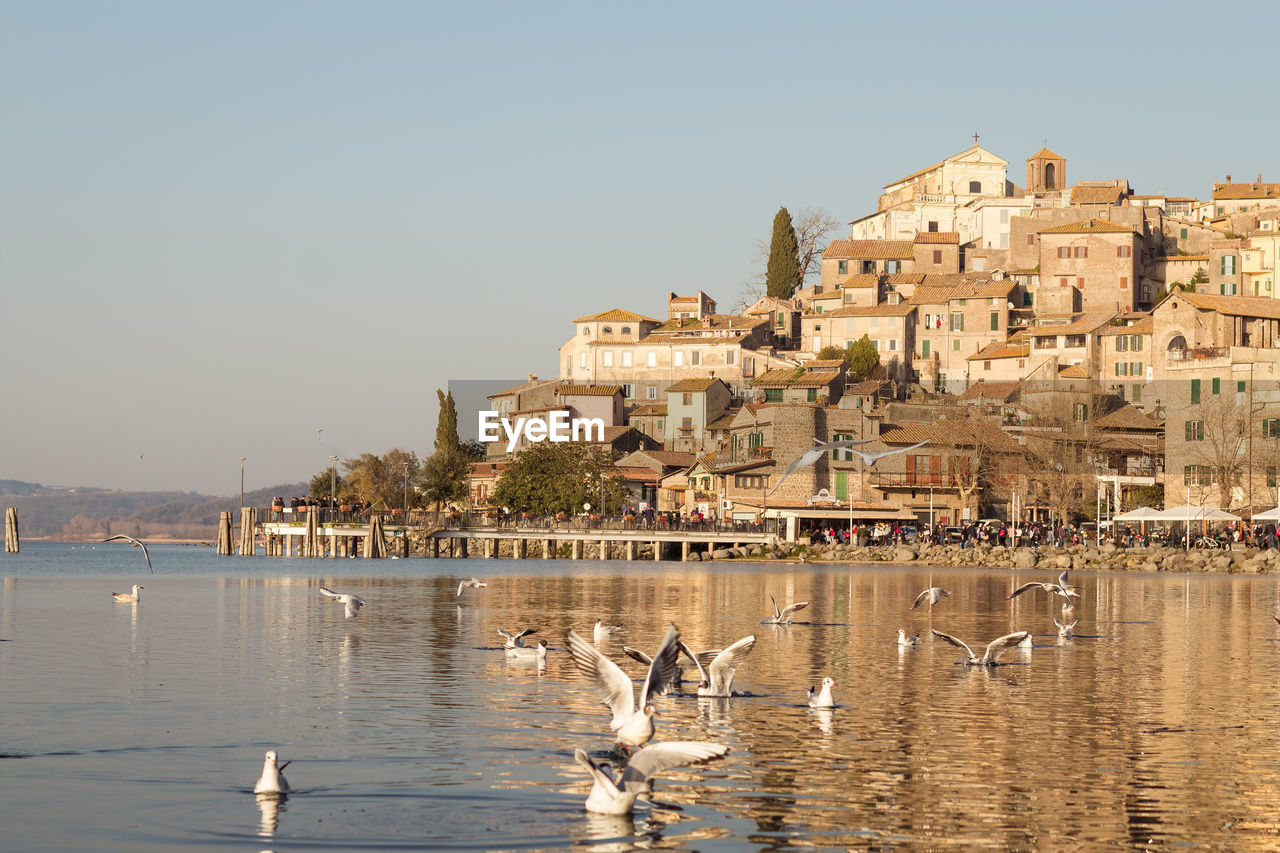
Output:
x=822 y=698
x=135 y=544
x=352 y=602
x=473 y=584
x=995 y=648
x=717 y=667
x=783 y=616
x=130 y=597
x=632 y=715
x=272 y=780
x=930 y=596
x=1065 y=631
x=871 y=457
x=665 y=687
x=812 y=455
x=515 y=640
x=1048 y=586
x=618 y=797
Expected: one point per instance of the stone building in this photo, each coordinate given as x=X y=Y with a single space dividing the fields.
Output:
x=1090 y=266
x=844 y=258
x=1229 y=198
x=936 y=252
x=955 y=321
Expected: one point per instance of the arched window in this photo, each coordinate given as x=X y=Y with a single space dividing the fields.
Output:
x=626 y=330
x=1178 y=342
x=586 y=330
x=975 y=187
x=608 y=330
x=1049 y=176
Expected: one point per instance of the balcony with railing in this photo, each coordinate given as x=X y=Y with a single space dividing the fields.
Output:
x=1197 y=354
x=913 y=480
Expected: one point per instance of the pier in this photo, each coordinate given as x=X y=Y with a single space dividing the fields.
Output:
x=318 y=532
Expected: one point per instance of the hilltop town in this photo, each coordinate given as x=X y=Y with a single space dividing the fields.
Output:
x=1060 y=346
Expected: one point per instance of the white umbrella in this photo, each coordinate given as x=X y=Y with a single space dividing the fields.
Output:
x=1269 y=515
x=1196 y=513
x=1142 y=513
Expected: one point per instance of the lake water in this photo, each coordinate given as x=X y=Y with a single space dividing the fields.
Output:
x=143 y=727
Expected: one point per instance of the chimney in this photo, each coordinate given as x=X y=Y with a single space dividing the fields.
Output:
x=1228 y=179
x=533 y=377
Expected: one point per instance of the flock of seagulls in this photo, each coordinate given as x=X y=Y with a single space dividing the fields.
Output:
x=632 y=712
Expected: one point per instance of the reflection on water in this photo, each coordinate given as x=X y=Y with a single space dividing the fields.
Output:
x=1152 y=723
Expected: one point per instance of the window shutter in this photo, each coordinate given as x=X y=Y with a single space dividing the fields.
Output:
x=1195 y=390
x=1187 y=426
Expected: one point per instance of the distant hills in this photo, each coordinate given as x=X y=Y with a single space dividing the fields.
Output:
x=83 y=514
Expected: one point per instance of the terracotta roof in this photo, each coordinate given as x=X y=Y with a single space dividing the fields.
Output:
x=866 y=386
x=864 y=279
x=984 y=390
x=1243 y=191
x=1127 y=417
x=1073 y=371
x=587 y=390
x=723 y=422
x=615 y=315
x=821 y=363
x=1143 y=326
x=670 y=458
x=642 y=475
x=935 y=279
x=927 y=295
x=1096 y=195
x=1092 y=225
x=794 y=377
x=692 y=384
x=1045 y=152
x=904 y=278
x=683 y=299
x=1234 y=306
x=1081 y=324
x=649 y=410
x=710 y=322
x=950 y=433
x=829 y=294
x=930 y=294
x=1168 y=258
x=1002 y=349
x=870 y=249
x=884 y=309
x=938 y=237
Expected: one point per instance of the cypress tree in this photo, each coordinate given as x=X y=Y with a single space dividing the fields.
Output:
x=447 y=424
x=783 y=275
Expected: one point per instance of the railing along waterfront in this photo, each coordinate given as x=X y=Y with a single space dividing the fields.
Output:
x=490 y=520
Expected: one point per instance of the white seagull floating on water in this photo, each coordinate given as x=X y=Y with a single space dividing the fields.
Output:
x=131 y=597
x=135 y=543
x=618 y=797
x=632 y=721
x=352 y=602
x=716 y=667
x=272 y=780
x=531 y=654
x=602 y=631
x=904 y=640
x=995 y=648
x=783 y=616
x=822 y=698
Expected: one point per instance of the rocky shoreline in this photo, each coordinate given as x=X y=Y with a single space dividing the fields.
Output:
x=1104 y=558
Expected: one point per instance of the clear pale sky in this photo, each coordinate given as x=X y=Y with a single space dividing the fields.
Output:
x=226 y=225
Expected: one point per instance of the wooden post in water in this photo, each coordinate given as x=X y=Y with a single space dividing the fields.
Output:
x=224 y=534
x=11 y=543
x=248 y=531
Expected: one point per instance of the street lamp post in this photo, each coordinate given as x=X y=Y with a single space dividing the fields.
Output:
x=242 y=458
x=333 y=481
x=406 y=493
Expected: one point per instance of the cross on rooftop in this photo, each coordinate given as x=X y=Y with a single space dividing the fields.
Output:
x=975 y=138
